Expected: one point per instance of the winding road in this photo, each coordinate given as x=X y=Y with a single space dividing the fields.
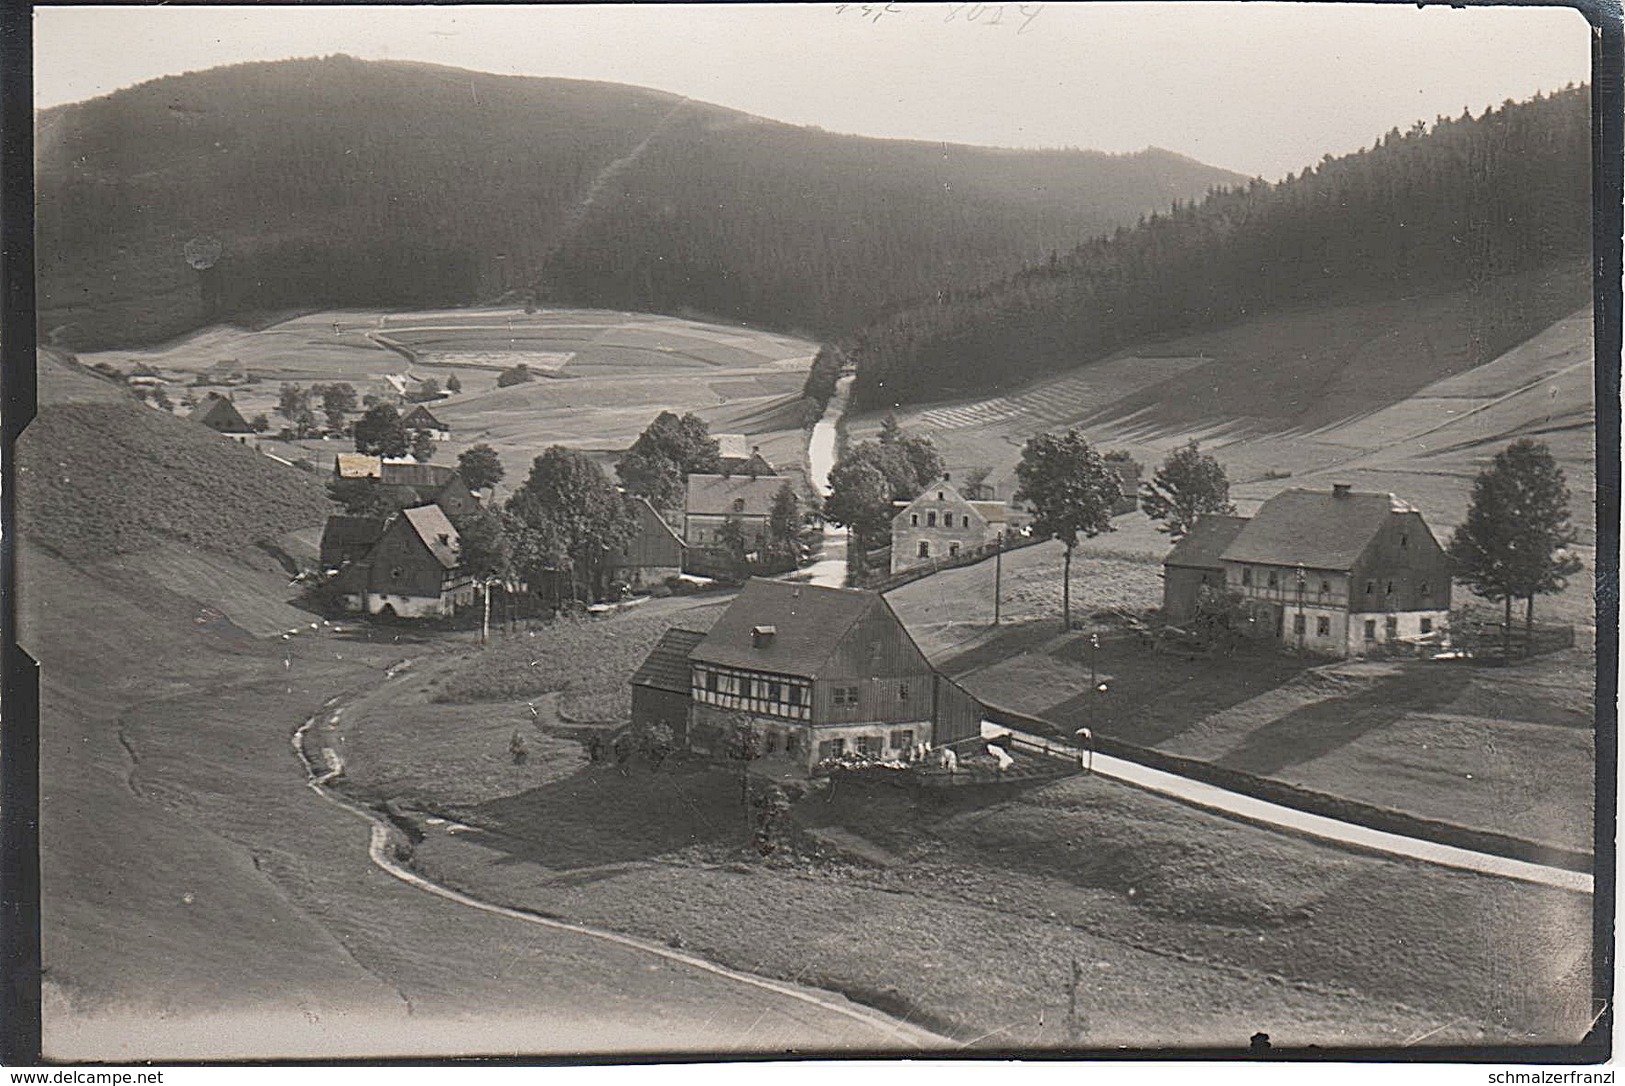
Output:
x=830 y=568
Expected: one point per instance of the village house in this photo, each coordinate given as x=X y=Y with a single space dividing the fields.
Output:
x=654 y=553
x=221 y=415
x=821 y=672
x=1338 y=572
x=1195 y=562
x=347 y=539
x=435 y=483
x=420 y=418
x=941 y=523
x=411 y=572
x=714 y=500
x=739 y=457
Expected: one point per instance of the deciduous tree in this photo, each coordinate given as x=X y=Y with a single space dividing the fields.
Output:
x=1188 y=484
x=480 y=467
x=1516 y=540
x=379 y=432
x=1072 y=492
x=668 y=450
x=338 y=400
x=567 y=493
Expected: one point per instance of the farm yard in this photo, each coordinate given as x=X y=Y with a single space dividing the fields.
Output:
x=1224 y=928
x=600 y=375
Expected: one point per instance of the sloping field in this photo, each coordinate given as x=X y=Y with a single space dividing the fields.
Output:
x=602 y=375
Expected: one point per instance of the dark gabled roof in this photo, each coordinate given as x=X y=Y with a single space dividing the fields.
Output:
x=347 y=534
x=421 y=475
x=650 y=522
x=667 y=666
x=1317 y=529
x=1206 y=541
x=218 y=413
x=421 y=418
x=714 y=495
x=432 y=526
x=809 y=622
x=754 y=464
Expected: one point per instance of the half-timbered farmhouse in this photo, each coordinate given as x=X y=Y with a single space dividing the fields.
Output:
x=822 y=672
x=413 y=570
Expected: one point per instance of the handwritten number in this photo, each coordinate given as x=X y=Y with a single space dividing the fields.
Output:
x=1031 y=12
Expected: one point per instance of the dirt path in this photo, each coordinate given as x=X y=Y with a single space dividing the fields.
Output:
x=1292 y=820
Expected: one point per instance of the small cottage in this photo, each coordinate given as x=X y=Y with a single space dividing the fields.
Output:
x=221 y=415
x=420 y=418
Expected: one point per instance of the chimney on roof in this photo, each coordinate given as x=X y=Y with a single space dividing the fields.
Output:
x=1340 y=490
x=761 y=636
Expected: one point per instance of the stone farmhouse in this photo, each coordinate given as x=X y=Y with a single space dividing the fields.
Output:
x=1337 y=572
x=941 y=522
x=823 y=672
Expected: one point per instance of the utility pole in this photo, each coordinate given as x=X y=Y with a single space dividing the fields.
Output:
x=485 y=618
x=998 y=572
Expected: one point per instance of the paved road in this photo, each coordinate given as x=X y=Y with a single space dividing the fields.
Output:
x=1293 y=820
x=830 y=569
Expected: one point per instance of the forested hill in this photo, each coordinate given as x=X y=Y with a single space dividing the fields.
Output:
x=338 y=182
x=1461 y=204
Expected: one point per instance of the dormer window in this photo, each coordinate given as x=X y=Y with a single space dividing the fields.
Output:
x=762 y=636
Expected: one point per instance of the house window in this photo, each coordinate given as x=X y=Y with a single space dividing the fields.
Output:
x=792 y=743
x=1370 y=587
x=846 y=695
x=794 y=697
x=1323 y=626
x=939 y=495
x=953 y=548
x=395 y=573
x=1370 y=629
x=739 y=505
x=869 y=746
x=930 y=520
x=770 y=742
x=1391 y=627
x=831 y=748
x=1274 y=579
x=711 y=681
x=1404 y=541
x=925 y=549
x=773 y=690
x=902 y=691
x=902 y=739
x=914 y=520
x=1247 y=576
x=1424 y=588
x=1298 y=624
x=1390 y=590
x=1427 y=625
x=1325 y=587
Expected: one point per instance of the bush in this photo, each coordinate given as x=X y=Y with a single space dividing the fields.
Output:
x=517 y=375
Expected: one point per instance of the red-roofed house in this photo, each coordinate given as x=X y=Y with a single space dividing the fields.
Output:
x=1339 y=571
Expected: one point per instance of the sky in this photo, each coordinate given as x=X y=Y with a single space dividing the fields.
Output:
x=1260 y=88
